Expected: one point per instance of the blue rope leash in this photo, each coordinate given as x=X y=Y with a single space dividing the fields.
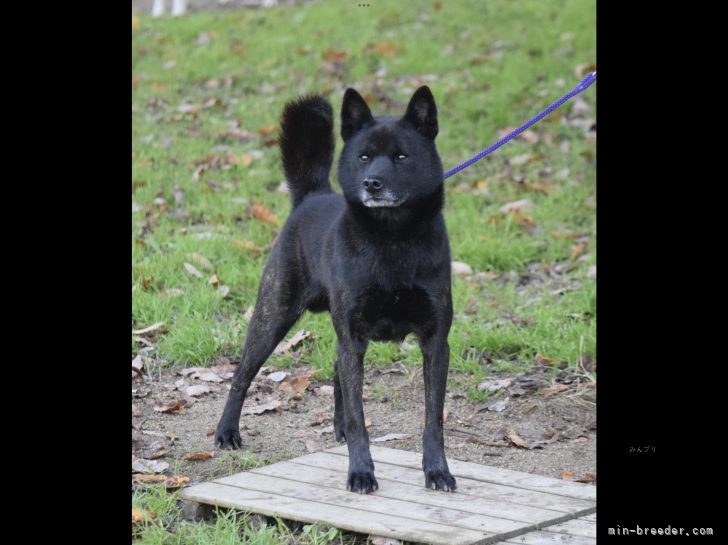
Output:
x=586 y=82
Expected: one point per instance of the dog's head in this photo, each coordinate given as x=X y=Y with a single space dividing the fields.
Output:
x=389 y=162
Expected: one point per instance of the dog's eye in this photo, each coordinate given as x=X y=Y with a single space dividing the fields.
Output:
x=401 y=158
x=364 y=158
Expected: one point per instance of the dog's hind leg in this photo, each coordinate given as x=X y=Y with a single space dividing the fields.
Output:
x=339 y=413
x=276 y=311
x=436 y=360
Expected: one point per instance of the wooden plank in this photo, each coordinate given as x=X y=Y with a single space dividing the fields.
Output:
x=585 y=528
x=479 y=472
x=592 y=517
x=375 y=503
x=407 y=492
x=470 y=487
x=341 y=517
x=550 y=538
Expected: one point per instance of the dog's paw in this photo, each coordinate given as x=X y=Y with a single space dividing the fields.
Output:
x=439 y=479
x=228 y=438
x=362 y=482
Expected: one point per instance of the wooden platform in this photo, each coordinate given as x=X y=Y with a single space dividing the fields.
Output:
x=491 y=504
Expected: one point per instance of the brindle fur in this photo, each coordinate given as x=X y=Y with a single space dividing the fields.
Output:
x=382 y=272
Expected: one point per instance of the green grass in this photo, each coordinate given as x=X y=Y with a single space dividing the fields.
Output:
x=522 y=49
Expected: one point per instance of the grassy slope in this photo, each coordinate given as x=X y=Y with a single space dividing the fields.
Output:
x=258 y=48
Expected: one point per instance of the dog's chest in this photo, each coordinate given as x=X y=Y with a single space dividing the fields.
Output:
x=389 y=315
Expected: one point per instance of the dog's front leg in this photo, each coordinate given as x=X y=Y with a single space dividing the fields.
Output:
x=351 y=375
x=436 y=360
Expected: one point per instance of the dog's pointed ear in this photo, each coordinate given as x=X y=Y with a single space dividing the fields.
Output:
x=422 y=112
x=355 y=113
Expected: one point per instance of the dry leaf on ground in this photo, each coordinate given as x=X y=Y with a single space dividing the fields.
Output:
x=198 y=390
x=148 y=329
x=462 y=269
x=246 y=245
x=137 y=517
x=209 y=377
x=202 y=261
x=199 y=455
x=175 y=481
x=304 y=433
x=553 y=389
x=311 y=446
x=324 y=391
x=499 y=405
x=168 y=407
x=578 y=477
x=391 y=437
x=172 y=292
x=297 y=384
x=258 y=409
x=192 y=270
x=278 y=376
x=494 y=385
x=142 y=478
x=285 y=346
x=149 y=466
x=261 y=213
x=524 y=206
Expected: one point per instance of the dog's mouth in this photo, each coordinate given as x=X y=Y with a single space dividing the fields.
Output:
x=384 y=200
x=382 y=203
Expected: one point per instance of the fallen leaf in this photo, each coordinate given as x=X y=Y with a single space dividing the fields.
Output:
x=578 y=478
x=581 y=68
x=523 y=206
x=237 y=159
x=311 y=446
x=303 y=433
x=137 y=517
x=148 y=329
x=198 y=390
x=517 y=441
x=576 y=250
x=199 y=455
x=297 y=384
x=367 y=422
x=214 y=281
x=444 y=415
x=391 y=437
x=149 y=466
x=209 y=377
x=328 y=429
x=142 y=478
x=252 y=433
x=192 y=270
x=462 y=269
x=592 y=272
x=494 y=385
x=278 y=376
x=152 y=452
x=332 y=55
x=172 y=292
x=168 y=407
x=258 y=409
x=265 y=131
x=324 y=391
x=246 y=245
x=500 y=405
x=285 y=346
x=175 y=481
x=553 y=389
x=261 y=213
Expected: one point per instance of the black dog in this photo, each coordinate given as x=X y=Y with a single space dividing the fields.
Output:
x=377 y=258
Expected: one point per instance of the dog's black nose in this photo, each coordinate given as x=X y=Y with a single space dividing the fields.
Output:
x=372 y=185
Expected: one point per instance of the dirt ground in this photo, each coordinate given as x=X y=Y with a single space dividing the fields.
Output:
x=400 y=411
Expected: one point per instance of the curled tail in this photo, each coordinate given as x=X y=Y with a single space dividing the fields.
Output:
x=307 y=145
